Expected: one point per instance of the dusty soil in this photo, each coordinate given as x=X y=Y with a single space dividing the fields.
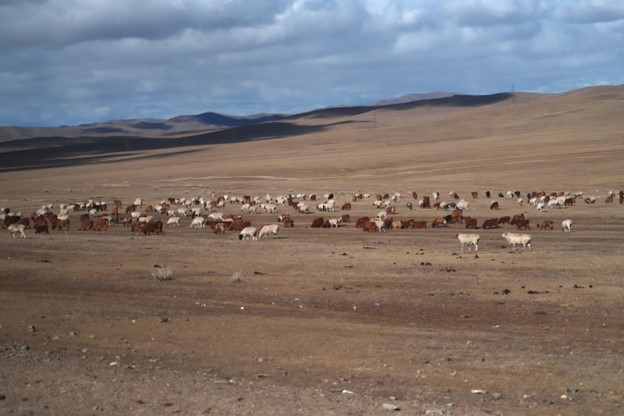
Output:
x=329 y=321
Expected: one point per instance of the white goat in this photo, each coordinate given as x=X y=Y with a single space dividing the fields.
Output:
x=269 y=229
x=17 y=228
x=248 y=233
x=515 y=239
x=566 y=225
x=469 y=239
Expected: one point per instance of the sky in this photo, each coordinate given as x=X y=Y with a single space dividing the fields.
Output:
x=69 y=62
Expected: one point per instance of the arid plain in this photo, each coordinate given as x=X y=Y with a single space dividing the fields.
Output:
x=329 y=321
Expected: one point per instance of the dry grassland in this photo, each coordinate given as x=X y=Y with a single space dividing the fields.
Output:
x=331 y=321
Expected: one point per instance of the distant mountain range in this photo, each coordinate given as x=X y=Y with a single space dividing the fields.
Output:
x=182 y=125
x=413 y=97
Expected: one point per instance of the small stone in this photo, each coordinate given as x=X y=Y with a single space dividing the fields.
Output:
x=390 y=406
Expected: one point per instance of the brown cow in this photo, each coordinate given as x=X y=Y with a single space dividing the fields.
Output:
x=346 y=206
x=609 y=199
x=288 y=222
x=475 y=194
x=494 y=205
x=345 y=218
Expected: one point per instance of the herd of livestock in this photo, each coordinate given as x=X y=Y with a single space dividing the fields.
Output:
x=209 y=213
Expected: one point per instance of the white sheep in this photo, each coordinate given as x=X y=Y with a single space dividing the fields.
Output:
x=566 y=225
x=173 y=222
x=334 y=222
x=469 y=239
x=515 y=239
x=17 y=228
x=198 y=222
x=248 y=233
x=269 y=229
x=216 y=216
x=463 y=205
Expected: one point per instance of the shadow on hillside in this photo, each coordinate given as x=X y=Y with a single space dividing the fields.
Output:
x=453 y=101
x=48 y=152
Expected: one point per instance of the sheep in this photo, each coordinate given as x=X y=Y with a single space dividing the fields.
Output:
x=248 y=233
x=17 y=228
x=469 y=239
x=198 y=222
x=173 y=221
x=463 y=205
x=515 y=239
x=216 y=216
x=269 y=229
x=566 y=225
x=334 y=222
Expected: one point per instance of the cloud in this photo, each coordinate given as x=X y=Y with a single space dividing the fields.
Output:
x=63 y=61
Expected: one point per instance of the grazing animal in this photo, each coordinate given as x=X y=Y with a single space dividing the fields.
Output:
x=545 y=225
x=515 y=239
x=86 y=226
x=490 y=223
x=469 y=239
x=471 y=223
x=198 y=222
x=17 y=228
x=173 y=221
x=318 y=222
x=494 y=205
x=523 y=224
x=438 y=222
x=269 y=229
x=566 y=225
x=248 y=233
x=419 y=224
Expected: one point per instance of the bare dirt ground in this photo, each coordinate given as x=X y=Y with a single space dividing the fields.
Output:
x=320 y=321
